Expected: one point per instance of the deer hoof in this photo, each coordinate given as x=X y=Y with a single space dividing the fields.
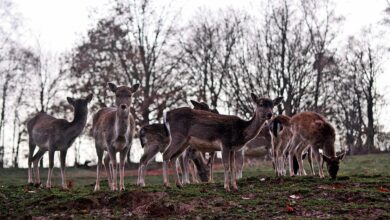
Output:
x=97 y=188
x=167 y=185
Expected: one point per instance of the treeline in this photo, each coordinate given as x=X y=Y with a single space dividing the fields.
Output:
x=289 y=48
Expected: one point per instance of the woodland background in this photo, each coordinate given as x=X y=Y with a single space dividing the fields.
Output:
x=289 y=48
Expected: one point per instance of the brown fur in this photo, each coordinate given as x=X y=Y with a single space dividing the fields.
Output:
x=52 y=134
x=155 y=138
x=113 y=130
x=311 y=129
x=187 y=126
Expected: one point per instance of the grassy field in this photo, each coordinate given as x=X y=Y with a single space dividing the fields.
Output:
x=361 y=192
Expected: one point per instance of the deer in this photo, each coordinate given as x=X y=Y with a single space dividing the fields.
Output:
x=53 y=134
x=280 y=136
x=154 y=138
x=113 y=129
x=187 y=126
x=312 y=130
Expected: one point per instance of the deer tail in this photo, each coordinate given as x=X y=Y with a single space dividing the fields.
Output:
x=278 y=123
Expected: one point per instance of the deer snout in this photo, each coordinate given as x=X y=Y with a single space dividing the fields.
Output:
x=123 y=107
x=269 y=115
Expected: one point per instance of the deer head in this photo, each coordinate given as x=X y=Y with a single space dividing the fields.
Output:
x=123 y=96
x=203 y=106
x=80 y=104
x=333 y=164
x=264 y=106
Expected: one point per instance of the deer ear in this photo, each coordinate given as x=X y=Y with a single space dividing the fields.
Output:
x=195 y=103
x=326 y=158
x=89 y=97
x=112 y=86
x=134 y=88
x=70 y=100
x=277 y=101
x=341 y=156
x=254 y=98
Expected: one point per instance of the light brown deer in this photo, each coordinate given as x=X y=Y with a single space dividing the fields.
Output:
x=279 y=129
x=194 y=127
x=154 y=138
x=52 y=134
x=310 y=129
x=113 y=130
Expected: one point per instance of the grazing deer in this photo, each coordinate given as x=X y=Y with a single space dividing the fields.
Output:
x=113 y=131
x=280 y=136
x=230 y=133
x=310 y=129
x=154 y=138
x=52 y=134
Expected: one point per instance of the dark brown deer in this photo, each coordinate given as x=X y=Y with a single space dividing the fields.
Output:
x=310 y=129
x=113 y=130
x=154 y=138
x=52 y=134
x=187 y=126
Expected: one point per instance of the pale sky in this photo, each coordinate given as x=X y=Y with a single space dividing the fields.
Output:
x=59 y=24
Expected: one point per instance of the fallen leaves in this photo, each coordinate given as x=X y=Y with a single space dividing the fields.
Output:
x=289 y=208
x=383 y=189
x=331 y=186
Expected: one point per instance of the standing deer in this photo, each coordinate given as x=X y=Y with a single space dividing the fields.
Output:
x=52 y=134
x=113 y=131
x=280 y=135
x=187 y=126
x=154 y=138
x=310 y=129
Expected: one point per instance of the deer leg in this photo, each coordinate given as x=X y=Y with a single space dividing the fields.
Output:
x=302 y=171
x=99 y=166
x=37 y=157
x=107 y=166
x=63 y=165
x=31 y=150
x=51 y=166
x=123 y=155
x=310 y=155
x=165 y=175
x=112 y=154
x=174 y=148
x=211 y=163
x=233 y=177
x=184 y=162
x=226 y=162
x=319 y=162
x=192 y=169
x=148 y=155
x=239 y=162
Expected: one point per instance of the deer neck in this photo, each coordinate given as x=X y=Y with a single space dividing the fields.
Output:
x=253 y=127
x=121 y=123
x=329 y=149
x=78 y=123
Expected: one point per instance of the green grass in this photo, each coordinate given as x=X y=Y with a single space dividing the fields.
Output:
x=356 y=194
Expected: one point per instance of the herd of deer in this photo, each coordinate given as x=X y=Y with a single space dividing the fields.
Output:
x=187 y=133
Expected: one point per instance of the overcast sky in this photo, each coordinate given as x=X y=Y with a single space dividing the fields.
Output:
x=58 y=24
